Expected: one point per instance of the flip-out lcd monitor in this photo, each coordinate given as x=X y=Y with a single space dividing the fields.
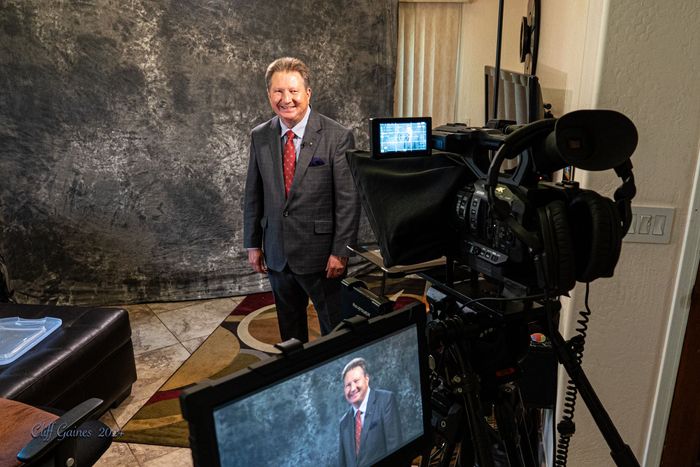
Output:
x=399 y=137
x=297 y=409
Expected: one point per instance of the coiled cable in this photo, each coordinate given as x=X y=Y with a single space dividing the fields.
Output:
x=566 y=426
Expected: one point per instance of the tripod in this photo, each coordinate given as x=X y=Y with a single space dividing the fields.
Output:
x=461 y=423
x=493 y=432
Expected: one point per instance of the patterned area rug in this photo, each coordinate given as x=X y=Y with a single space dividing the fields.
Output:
x=246 y=336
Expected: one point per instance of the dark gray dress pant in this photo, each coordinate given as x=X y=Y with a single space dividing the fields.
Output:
x=292 y=292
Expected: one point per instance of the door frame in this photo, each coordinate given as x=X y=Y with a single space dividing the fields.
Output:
x=676 y=329
x=682 y=443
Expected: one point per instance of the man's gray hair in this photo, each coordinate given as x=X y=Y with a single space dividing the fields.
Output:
x=355 y=363
x=287 y=65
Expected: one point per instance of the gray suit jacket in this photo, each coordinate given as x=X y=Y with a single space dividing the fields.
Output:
x=381 y=432
x=321 y=215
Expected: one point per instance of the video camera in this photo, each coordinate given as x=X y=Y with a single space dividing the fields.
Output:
x=515 y=227
x=514 y=242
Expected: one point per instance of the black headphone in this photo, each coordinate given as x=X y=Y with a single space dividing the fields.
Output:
x=581 y=239
x=578 y=238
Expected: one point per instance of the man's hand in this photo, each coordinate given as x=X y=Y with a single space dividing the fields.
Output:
x=335 y=266
x=256 y=260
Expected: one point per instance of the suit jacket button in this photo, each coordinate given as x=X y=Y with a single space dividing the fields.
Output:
x=285 y=213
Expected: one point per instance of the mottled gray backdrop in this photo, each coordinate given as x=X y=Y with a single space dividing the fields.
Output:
x=124 y=128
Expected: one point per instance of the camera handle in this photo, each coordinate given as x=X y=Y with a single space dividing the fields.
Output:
x=620 y=452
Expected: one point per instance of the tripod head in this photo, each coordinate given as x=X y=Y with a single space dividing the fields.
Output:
x=491 y=331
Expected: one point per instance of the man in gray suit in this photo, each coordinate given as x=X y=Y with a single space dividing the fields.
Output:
x=371 y=428
x=301 y=208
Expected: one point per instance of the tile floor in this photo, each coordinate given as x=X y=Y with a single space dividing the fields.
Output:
x=164 y=335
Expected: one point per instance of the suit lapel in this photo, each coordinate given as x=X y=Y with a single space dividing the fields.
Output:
x=276 y=153
x=349 y=434
x=312 y=135
x=370 y=415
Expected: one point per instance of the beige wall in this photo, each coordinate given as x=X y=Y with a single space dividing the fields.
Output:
x=478 y=48
x=563 y=30
x=642 y=59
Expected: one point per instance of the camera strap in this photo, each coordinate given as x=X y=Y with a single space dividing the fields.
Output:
x=624 y=194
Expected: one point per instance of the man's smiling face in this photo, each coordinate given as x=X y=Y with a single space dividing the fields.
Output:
x=289 y=96
x=355 y=384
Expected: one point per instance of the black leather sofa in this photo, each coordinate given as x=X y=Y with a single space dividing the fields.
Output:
x=90 y=356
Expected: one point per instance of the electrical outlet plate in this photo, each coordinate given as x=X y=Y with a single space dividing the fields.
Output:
x=650 y=225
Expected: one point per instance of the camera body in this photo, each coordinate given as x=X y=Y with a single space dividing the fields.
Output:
x=512 y=250
x=526 y=232
x=488 y=244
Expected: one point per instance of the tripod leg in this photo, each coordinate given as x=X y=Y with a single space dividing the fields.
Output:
x=512 y=427
x=620 y=452
x=425 y=458
x=450 y=428
x=466 y=456
x=477 y=424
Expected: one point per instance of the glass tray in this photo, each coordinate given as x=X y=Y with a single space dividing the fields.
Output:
x=18 y=335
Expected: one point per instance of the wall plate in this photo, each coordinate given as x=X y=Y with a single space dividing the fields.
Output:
x=650 y=225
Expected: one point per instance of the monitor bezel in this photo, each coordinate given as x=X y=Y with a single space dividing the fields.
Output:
x=199 y=401
x=374 y=140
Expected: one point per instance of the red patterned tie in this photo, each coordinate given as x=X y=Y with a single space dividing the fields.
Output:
x=289 y=162
x=358 y=431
